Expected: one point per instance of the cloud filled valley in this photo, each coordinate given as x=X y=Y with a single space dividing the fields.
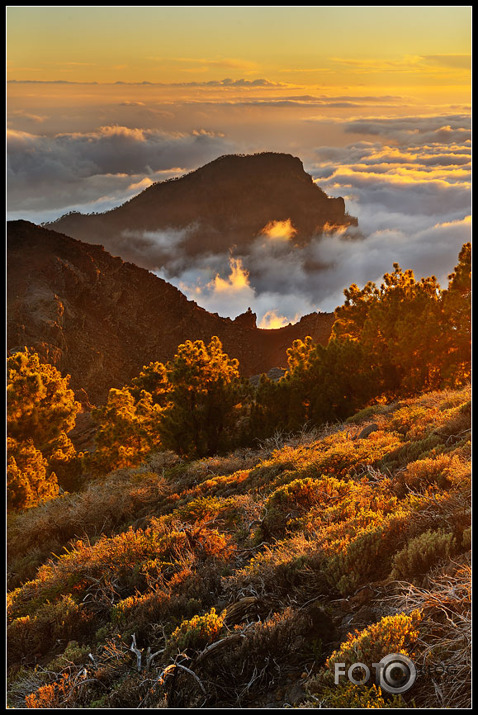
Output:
x=406 y=179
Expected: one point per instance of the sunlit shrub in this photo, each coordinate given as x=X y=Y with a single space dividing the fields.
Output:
x=367 y=414
x=410 y=452
x=52 y=695
x=102 y=508
x=196 y=633
x=29 y=482
x=289 y=501
x=204 y=508
x=392 y=634
x=425 y=472
x=348 y=695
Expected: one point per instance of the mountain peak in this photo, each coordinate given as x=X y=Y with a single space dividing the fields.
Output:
x=261 y=161
x=225 y=203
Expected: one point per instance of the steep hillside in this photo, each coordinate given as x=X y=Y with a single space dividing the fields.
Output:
x=223 y=204
x=240 y=581
x=101 y=319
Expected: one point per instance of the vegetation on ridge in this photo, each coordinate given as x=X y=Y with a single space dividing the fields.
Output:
x=185 y=577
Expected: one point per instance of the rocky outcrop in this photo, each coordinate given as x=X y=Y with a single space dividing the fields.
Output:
x=246 y=320
x=101 y=319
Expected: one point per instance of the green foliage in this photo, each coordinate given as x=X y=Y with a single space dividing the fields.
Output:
x=41 y=410
x=457 y=311
x=152 y=379
x=398 y=327
x=421 y=553
x=40 y=405
x=204 y=400
x=398 y=339
x=192 y=405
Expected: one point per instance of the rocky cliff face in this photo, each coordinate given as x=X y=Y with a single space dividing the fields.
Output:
x=223 y=204
x=101 y=319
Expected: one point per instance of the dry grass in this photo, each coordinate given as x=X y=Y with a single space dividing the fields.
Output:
x=444 y=644
x=298 y=534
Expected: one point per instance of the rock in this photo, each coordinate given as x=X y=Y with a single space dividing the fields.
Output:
x=367 y=431
x=295 y=694
x=247 y=319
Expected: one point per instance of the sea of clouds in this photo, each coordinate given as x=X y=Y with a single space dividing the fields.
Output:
x=407 y=179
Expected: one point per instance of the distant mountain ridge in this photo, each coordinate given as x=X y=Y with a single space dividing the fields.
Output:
x=222 y=204
x=101 y=319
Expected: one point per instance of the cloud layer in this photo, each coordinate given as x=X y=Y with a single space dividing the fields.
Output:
x=101 y=168
x=406 y=178
x=411 y=194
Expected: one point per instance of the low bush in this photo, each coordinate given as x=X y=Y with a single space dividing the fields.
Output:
x=392 y=634
x=421 y=554
x=196 y=633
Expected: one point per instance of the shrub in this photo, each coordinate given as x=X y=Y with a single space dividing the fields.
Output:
x=31 y=636
x=28 y=479
x=392 y=634
x=347 y=695
x=104 y=507
x=52 y=695
x=365 y=554
x=441 y=471
x=196 y=633
x=421 y=553
x=288 y=501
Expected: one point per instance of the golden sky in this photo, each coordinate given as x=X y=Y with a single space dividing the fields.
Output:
x=417 y=50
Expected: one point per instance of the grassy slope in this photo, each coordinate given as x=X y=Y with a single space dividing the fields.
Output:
x=240 y=580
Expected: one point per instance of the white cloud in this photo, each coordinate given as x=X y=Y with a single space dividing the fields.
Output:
x=75 y=169
x=408 y=182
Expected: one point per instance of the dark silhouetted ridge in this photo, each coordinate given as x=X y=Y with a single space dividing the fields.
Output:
x=101 y=319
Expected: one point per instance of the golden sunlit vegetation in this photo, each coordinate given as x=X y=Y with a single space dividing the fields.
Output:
x=41 y=411
x=399 y=339
x=240 y=580
x=191 y=405
x=225 y=548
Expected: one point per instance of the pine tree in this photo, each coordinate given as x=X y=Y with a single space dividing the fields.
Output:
x=205 y=399
x=41 y=410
